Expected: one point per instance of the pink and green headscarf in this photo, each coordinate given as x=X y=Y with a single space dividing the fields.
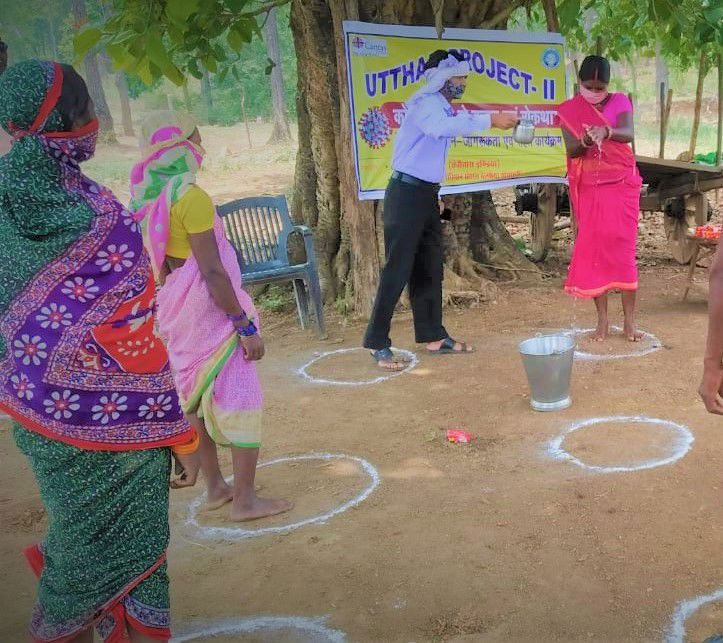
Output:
x=162 y=178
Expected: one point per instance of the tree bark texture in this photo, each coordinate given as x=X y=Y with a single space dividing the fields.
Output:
x=206 y=94
x=281 y=130
x=93 y=78
x=349 y=232
x=126 y=117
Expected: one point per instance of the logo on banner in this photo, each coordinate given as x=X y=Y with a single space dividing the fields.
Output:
x=362 y=46
x=551 y=58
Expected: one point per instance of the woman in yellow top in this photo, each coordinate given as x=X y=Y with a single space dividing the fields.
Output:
x=205 y=317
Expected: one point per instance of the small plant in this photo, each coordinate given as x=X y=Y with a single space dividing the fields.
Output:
x=276 y=299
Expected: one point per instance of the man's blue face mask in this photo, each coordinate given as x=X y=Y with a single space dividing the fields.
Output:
x=452 y=90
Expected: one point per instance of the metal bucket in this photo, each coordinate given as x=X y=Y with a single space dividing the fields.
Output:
x=548 y=364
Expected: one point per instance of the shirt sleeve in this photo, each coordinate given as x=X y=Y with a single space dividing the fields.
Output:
x=196 y=211
x=624 y=104
x=434 y=121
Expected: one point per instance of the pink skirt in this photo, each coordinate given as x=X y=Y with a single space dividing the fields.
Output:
x=604 y=256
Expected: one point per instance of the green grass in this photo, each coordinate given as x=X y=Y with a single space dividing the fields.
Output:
x=678 y=134
x=276 y=299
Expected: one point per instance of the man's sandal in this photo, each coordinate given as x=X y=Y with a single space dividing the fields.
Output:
x=393 y=362
x=448 y=348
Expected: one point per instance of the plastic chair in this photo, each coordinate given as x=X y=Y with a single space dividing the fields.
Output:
x=259 y=229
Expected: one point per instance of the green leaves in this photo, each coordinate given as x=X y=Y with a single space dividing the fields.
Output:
x=175 y=38
x=84 y=41
x=569 y=14
x=179 y=11
x=235 y=40
x=158 y=55
x=193 y=69
x=660 y=10
x=683 y=27
x=237 y=6
x=240 y=33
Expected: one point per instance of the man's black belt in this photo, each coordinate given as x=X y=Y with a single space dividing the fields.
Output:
x=412 y=180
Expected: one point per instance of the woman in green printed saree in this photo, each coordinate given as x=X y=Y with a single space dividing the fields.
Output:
x=82 y=373
x=206 y=318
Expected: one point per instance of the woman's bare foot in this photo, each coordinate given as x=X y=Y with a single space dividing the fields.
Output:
x=217 y=497
x=259 y=508
x=601 y=332
x=632 y=334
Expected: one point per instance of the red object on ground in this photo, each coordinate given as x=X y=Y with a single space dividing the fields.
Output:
x=459 y=436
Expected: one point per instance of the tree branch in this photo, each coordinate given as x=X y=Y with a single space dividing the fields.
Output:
x=438 y=10
x=482 y=11
x=551 y=17
x=502 y=15
x=266 y=8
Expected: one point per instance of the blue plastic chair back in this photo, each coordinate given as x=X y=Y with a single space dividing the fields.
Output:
x=259 y=229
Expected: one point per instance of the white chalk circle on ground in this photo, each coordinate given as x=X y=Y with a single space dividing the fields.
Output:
x=676 y=630
x=679 y=447
x=306 y=630
x=304 y=370
x=649 y=344
x=239 y=533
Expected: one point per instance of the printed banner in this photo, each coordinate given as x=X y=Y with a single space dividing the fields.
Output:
x=511 y=71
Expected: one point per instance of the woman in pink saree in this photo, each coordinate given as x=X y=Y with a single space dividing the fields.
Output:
x=205 y=317
x=605 y=194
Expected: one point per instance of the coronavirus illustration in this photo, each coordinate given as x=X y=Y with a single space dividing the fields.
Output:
x=374 y=128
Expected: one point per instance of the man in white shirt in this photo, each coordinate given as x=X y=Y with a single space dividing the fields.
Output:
x=412 y=226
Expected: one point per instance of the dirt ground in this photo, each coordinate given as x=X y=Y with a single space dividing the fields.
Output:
x=492 y=541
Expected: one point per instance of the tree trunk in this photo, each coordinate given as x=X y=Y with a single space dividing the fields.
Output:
x=325 y=195
x=662 y=75
x=553 y=23
x=313 y=32
x=206 y=95
x=122 y=84
x=93 y=78
x=360 y=217
x=281 y=130
x=186 y=96
x=702 y=73
x=53 y=39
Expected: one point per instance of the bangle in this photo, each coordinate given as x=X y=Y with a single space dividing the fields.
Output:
x=237 y=318
x=247 y=331
x=609 y=133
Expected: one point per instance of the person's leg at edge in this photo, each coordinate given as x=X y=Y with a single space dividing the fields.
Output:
x=402 y=230
x=246 y=504
x=218 y=491
x=603 y=328
x=629 y=309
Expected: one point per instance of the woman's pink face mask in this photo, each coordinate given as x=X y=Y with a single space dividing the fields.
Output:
x=594 y=97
